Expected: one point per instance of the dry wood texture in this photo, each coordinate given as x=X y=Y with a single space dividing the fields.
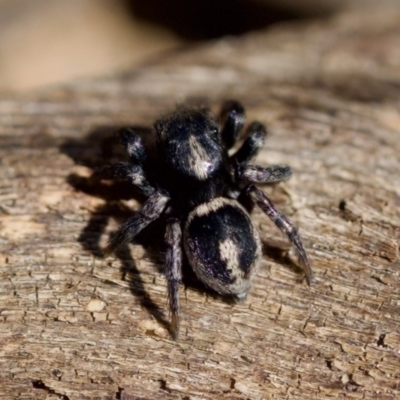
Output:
x=76 y=326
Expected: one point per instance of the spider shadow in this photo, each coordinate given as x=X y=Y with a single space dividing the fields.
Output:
x=279 y=252
x=98 y=148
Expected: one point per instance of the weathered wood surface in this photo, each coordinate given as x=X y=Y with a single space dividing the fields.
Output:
x=75 y=326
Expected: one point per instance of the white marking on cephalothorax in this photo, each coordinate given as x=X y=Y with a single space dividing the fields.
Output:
x=199 y=159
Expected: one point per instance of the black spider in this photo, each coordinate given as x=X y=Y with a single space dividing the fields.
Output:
x=207 y=196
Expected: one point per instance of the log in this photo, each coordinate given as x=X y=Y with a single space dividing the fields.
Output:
x=79 y=326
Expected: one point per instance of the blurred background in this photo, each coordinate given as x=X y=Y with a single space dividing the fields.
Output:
x=45 y=42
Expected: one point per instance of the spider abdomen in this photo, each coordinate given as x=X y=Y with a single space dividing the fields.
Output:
x=223 y=246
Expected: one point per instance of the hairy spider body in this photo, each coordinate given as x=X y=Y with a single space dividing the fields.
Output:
x=207 y=196
x=223 y=246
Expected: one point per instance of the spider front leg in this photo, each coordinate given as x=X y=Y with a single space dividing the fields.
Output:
x=125 y=171
x=245 y=174
x=152 y=209
x=233 y=119
x=173 y=271
x=257 y=174
x=261 y=199
x=254 y=142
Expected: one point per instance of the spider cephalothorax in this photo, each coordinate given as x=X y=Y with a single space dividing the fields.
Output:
x=207 y=196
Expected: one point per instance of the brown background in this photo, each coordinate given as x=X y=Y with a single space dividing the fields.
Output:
x=45 y=42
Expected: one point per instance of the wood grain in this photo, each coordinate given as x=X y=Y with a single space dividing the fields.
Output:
x=76 y=326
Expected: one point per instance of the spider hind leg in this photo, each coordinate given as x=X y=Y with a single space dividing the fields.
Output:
x=283 y=223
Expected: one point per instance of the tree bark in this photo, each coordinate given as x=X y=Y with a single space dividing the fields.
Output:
x=77 y=326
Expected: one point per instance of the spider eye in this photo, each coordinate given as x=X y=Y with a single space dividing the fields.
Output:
x=214 y=134
x=214 y=131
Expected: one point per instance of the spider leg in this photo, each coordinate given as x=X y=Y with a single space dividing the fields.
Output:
x=233 y=119
x=261 y=199
x=134 y=145
x=257 y=174
x=254 y=142
x=152 y=209
x=173 y=271
x=125 y=171
x=245 y=174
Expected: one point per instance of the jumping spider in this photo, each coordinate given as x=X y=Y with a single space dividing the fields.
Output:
x=206 y=195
